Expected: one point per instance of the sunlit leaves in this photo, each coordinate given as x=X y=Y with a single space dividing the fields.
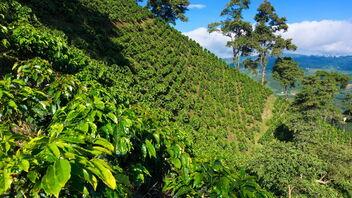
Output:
x=35 y=72
x=50 y=45
x=56 y=177
x=5 y=181
x=102 y=170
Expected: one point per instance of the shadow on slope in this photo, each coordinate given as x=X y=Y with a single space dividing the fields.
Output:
x=86 y=28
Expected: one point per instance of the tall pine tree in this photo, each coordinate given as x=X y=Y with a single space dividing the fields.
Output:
x=234 y=27
x=267 y=40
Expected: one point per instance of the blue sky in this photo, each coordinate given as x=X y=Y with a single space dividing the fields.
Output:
x=317 y=27
x=293 y=10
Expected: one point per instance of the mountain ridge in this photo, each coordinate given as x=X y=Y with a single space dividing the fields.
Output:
x=308 y=62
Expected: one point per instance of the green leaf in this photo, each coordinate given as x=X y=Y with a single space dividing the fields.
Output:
x=93 y=127
x=123 y=145
x=12 y=104
x=176 y=162
x=150 y=148
x=91 y=179
x=56 y=129
x=98 y=103
x=112 y=117
x=83 y=126
x=185 y=160
x=5 y=43
x=33 y=176
x=144 y=151
x=56 y=177
x=5 y=181
x=197 y=179
x=54 y=150
x=100 y=169
x=97 y=150
x=104 y=143
x=157 y=137
x=71 y=115
x=24 y=165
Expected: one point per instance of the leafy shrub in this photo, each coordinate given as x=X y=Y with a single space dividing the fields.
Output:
x=281 y=166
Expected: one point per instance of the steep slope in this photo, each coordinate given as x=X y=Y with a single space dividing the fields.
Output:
x=156 y=65
x=99 y=99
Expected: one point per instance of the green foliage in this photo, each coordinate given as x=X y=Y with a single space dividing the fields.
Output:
x=74 y=126
x=239 y=31
x=168 y=10
x=267 y=41
x=281 y=165
x=98 y=99
x=35 y=72
x=287 y=72
x=318 y=93
x=302 y=155
x=251 y=65
x=215 y=180
x=31 y=41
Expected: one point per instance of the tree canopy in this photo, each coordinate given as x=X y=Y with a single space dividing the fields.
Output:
x=318 y=93
x=168 y=10
x=287 y=72
x=267 y=40
x=234 y=27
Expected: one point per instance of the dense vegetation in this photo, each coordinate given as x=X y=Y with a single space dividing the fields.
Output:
x=77 y=119
x=99 y=98
x=156 y=66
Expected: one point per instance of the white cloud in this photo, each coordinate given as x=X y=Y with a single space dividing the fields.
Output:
x=196 y=6
x=326 y=37
x=215 y=42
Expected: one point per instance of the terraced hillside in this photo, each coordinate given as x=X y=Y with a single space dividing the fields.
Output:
x=100 y=99
x=156 y=65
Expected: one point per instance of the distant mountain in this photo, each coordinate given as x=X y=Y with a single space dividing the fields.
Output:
x=310 y=64
x=338 y=63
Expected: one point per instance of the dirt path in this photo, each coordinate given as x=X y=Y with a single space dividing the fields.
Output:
x=266 y=116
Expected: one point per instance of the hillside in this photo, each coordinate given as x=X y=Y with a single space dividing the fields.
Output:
x=164 y=70
x=118 y=103
x=100 y=99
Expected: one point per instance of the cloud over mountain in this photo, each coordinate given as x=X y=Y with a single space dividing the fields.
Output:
x=326 y=37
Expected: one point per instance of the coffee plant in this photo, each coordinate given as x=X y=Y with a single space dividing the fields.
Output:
x=68 y=130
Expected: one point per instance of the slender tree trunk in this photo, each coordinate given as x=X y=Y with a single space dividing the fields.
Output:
x=263 y=74
x=263 y=65
x=290 y=189
x=238 y=62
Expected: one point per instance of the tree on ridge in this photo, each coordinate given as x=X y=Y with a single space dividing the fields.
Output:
x=287 y=72
x=234 y=27
x=266 y=36
x=168 y=10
